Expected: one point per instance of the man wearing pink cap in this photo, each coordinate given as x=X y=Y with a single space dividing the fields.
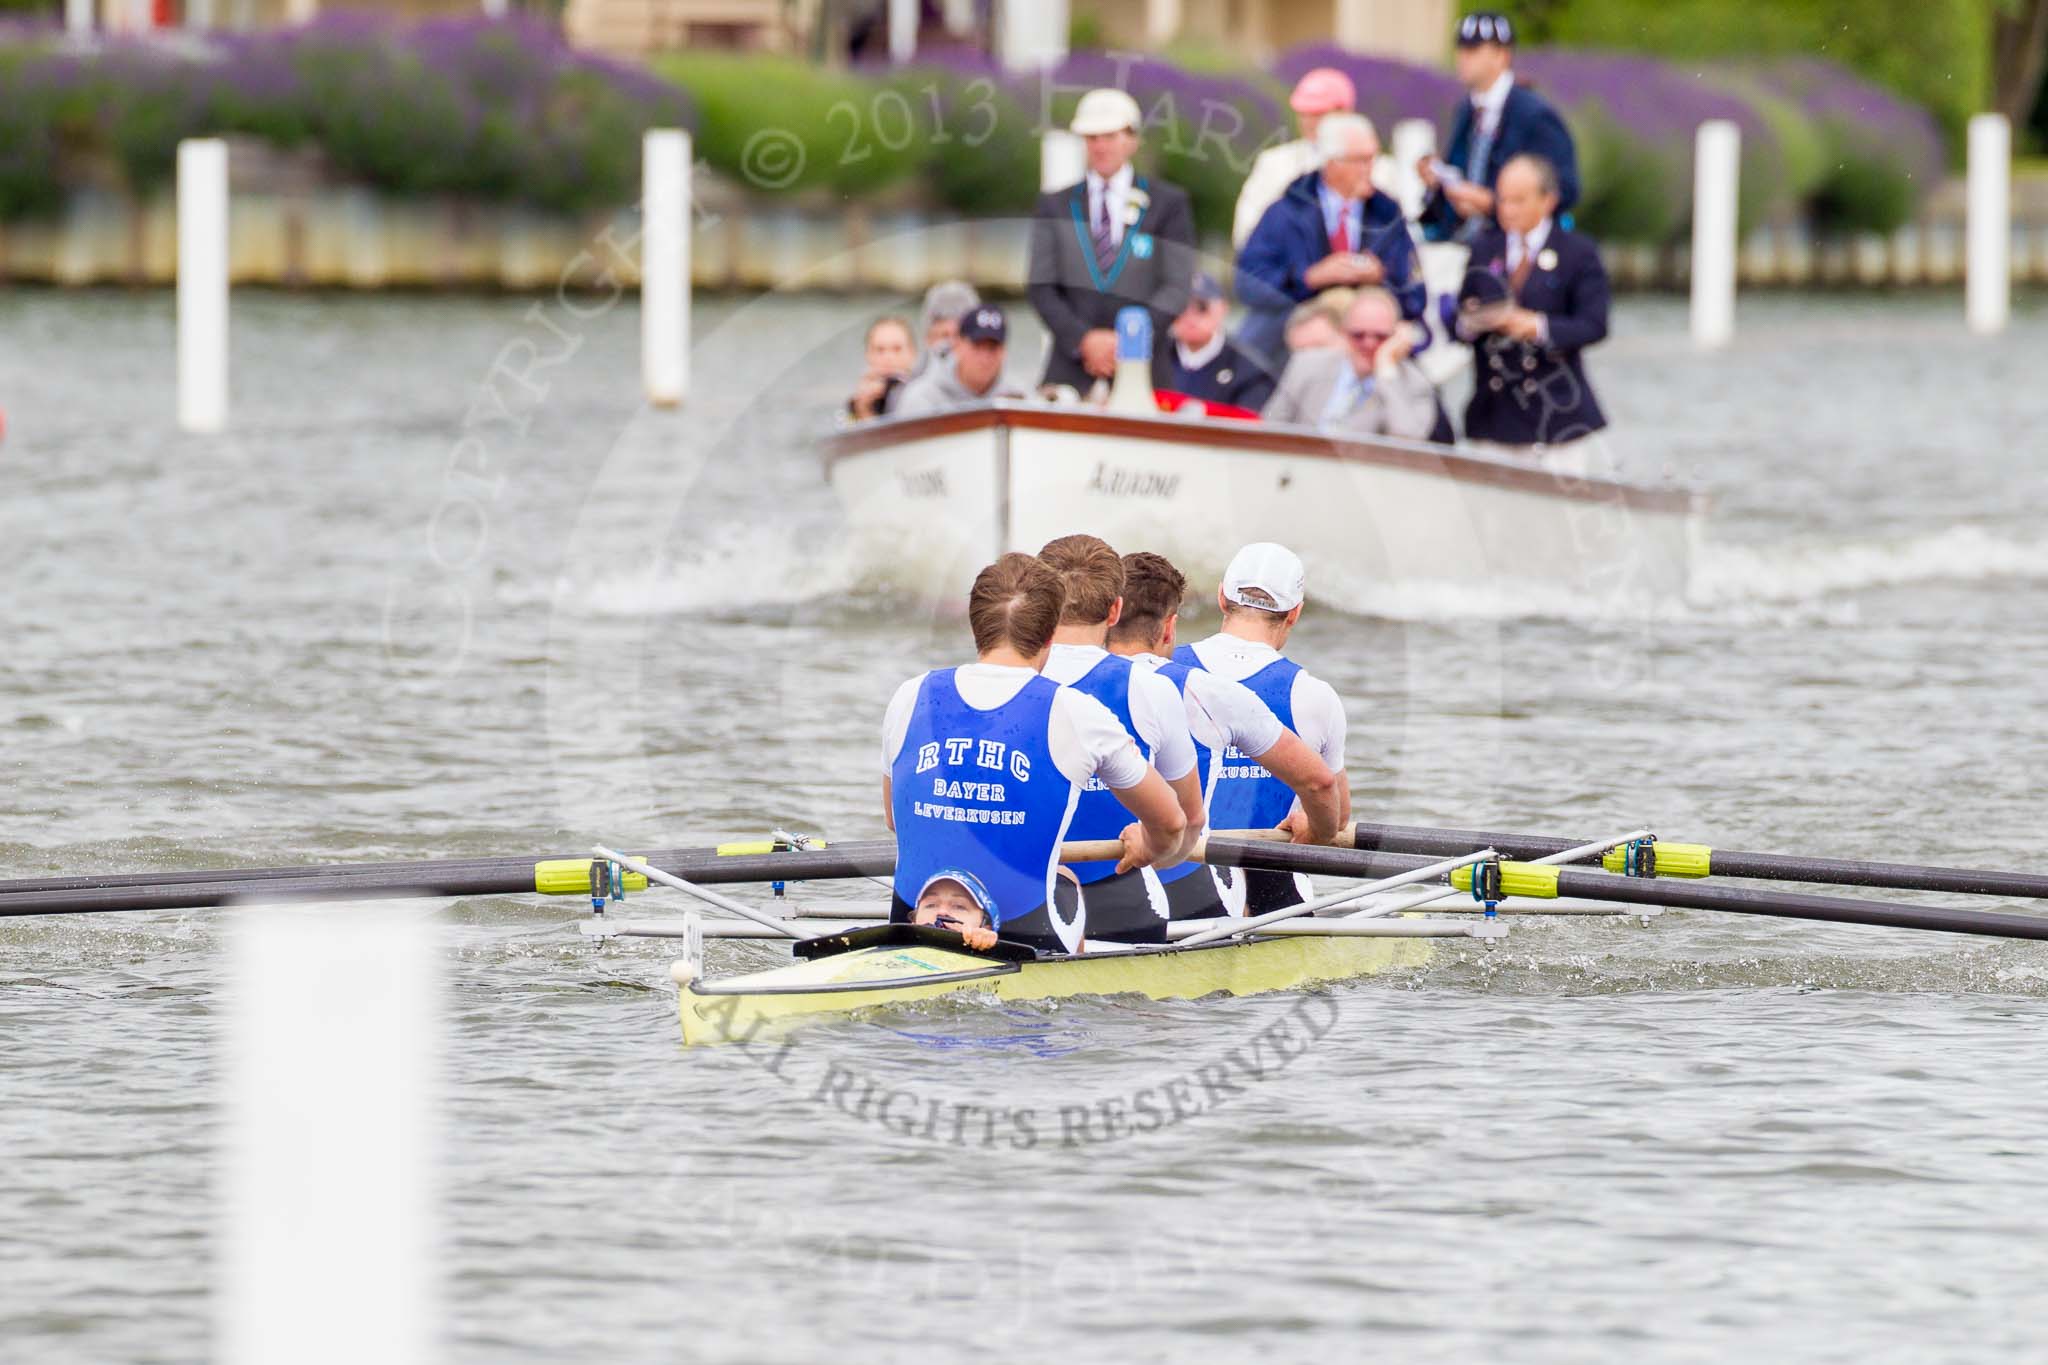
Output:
x=1324 y=90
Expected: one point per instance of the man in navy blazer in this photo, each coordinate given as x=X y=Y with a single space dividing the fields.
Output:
x=1535 y=296
x=1330 y=230
x=1501 y=121
x=1112 y=240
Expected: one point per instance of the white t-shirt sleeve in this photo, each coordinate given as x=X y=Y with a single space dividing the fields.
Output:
x=896 y=720
x=1319 y=719
x=1087 y=740
x=1236 y=713
x=1161 y=719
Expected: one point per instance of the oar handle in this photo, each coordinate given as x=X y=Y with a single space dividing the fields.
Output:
x=1109 y=850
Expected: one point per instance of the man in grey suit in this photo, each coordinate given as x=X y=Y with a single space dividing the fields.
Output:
x=1111 y=240
x=1368 y=388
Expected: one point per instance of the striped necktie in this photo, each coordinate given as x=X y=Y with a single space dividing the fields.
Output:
x=1105 y=242
x=1481 y=149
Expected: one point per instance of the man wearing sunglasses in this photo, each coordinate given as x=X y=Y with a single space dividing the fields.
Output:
x=1369 y=387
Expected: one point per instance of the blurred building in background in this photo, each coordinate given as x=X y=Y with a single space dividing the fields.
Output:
x=1415 y=30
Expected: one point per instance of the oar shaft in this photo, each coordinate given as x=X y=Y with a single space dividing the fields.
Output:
x=1725 y=862
x=1603 y=886
x=394 y=881
x=1232 y=928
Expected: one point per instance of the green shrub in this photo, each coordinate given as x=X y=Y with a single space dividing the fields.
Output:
x=1864 y=193
x=1628 y=192
x=980 y=148
x=781 y=126
x=1936 y=53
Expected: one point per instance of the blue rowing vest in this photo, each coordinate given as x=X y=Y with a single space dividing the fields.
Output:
x=1240 y=793
x=1099 y=815
x=1176 y=673
x=978 y=791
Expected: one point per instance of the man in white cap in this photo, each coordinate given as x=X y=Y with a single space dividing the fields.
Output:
x=1113 y=239
x=1261 y=597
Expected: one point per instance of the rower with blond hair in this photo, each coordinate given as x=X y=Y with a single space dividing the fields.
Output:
x=1261 y=598
x=1124 y=906
x=984 y=764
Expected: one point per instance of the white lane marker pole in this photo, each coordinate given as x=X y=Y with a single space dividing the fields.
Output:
x=331 y=1051
x=903 y=16
x=665 y=266
x=1031 y=36
x=202 y=284
x=1062 y=160
x=1717 y=165
x=1414 y=139
x=1990 y=224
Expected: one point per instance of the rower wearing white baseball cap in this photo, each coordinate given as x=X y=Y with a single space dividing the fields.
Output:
x=1261 y=596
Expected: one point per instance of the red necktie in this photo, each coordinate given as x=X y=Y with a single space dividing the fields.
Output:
x=1340 y=235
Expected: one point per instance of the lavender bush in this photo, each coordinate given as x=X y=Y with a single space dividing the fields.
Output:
x=498 y=110
x=506 y=111
x=1388 y=91
x=1635 y=119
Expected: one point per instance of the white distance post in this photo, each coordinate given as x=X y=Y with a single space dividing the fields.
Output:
x=331 y=1043
x=1717 y=164
x=78 y=17
x=202 y=284
x=1990 y=223
x=903 y=16
x=1062 y=160
x=665 y=266
x=1031 y=34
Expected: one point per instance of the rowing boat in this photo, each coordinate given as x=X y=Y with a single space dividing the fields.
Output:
x=901 y=964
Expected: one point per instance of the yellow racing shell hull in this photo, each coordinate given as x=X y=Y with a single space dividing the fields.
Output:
x=741 y=1008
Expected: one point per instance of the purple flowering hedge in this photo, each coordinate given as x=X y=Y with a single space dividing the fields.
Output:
x=505 y=111
x=487 y=110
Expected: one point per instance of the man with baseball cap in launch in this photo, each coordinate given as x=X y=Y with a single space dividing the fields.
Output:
x=970 y=372
x=1113 y=239
x=1261 y=597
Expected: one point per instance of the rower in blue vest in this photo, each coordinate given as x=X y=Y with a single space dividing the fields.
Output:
x=985 y=763
x=1261 y=597
x=1222 y=716
x=1123 y=906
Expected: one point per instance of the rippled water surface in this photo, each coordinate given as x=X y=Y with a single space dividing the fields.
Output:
x=445 y=591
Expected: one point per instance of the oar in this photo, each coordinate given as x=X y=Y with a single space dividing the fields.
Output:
x=1233 y=928
x=563 y=876
x=725 y=903
x=462 y=876
x=1568 y=855
x=1700 y=860
x=725 y=864
x=1530 y=879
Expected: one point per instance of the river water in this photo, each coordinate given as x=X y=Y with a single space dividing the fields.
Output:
x=444 y=590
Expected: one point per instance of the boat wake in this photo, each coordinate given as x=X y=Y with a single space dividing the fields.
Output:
x=744 y=569
x=1734 y=576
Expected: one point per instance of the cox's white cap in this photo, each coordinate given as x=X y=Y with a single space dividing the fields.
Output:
x=1106 y=111
x=1273 y=569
